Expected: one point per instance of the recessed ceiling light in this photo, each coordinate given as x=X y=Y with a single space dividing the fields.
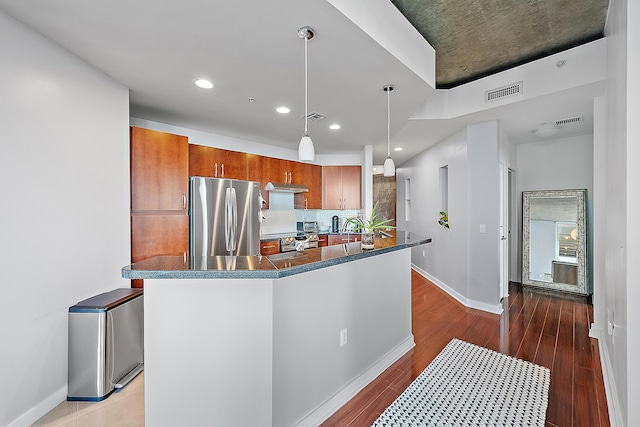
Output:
x=204 y=84
x=334 y=126
x=283 y=110
x=397 y=149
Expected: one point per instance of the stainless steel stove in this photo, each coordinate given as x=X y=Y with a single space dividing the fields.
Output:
x=305 y=238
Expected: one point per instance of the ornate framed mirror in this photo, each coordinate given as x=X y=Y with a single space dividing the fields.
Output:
x=554 y=240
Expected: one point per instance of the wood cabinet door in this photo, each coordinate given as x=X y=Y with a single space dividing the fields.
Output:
x=159 y=170
x=337 y=239
x=331 y=187
x=351 y=187
x=232 y=164
x=323 y=240
x=257 y=171
x=279 y=170
x=297 y=170
x=270 y=247
x=202 y=160
x=313 y=180
x=216 y=162
x=158 y=234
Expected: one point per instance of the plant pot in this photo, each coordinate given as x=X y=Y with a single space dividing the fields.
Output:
x=368 y=240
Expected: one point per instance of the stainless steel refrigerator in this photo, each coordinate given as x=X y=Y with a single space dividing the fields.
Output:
x=224 y=217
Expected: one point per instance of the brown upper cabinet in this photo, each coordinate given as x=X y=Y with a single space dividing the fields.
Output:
x=159 y=171
x=268 y=169
x=312 y=178
x=216 y=162
x=159 y=195
x=341 y=187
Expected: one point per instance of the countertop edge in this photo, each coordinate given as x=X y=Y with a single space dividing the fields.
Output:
x=128 y=273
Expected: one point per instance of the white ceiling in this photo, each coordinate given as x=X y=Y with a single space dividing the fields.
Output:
x=251 y=50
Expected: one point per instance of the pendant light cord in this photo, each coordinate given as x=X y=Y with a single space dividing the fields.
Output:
x=388 y=125
x=306 y=115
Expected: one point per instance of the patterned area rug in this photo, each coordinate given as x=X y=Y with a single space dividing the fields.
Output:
x=468 y=385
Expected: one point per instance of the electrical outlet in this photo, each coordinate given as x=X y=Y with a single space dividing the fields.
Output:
x=343 y=337
x=424 y=254
x=483 y=228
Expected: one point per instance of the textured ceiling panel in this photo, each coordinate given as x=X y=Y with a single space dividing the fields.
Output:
x=476 y=38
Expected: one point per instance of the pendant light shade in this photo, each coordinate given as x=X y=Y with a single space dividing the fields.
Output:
x=389 y=168
x=305 y=149
x=306 y=152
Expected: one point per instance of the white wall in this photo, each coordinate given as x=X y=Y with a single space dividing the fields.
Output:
x=446 y=253
x=620 y=348
x=558 y=164
x=483 y=209
x=64 y=170
x=472 y=158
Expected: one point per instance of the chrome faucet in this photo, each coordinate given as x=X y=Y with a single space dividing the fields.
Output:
x=351 y=220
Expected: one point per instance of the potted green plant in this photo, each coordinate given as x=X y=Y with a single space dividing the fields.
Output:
x=444 y=219
x=368 y=228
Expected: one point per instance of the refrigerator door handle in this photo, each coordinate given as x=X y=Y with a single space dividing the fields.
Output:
x=202 y=191
x=230 y=219
x=234 y=219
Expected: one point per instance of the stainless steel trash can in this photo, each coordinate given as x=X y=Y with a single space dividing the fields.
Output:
x=106 y=351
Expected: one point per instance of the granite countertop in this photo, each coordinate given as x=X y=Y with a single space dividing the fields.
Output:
x=265 y=267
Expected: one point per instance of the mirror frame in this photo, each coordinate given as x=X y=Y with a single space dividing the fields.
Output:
x=582 y=285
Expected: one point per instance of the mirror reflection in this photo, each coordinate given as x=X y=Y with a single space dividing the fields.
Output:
x=554 y=240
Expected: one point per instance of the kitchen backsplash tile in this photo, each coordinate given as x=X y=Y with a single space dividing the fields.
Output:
x=278 y=221
x=324 y=216
x=284 y=220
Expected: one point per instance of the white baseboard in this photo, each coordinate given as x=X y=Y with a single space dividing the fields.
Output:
x=324 y=411
x=41 y=409
x=613 y=403
x=478 y=305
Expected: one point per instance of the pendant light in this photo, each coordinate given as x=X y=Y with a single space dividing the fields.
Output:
x=306 y=152
x=389 y=168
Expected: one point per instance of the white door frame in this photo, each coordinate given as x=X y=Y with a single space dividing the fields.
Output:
x=504 y=231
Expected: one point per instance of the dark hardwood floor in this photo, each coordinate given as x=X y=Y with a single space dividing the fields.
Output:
x=547 y=329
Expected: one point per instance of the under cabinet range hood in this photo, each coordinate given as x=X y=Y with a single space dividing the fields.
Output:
x=286 y=188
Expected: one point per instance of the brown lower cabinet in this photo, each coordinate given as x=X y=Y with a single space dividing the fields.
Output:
x=270 y=247
x=337 y=239
x=158 y=234
x=323 y=240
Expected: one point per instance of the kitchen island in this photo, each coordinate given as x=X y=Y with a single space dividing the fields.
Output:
x=272 y=340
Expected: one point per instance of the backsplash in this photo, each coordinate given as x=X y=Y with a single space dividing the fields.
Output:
x=284 y=220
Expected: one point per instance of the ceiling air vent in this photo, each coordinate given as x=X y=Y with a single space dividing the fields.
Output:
x=315 y=116
x=569 y=121
x=503 y=92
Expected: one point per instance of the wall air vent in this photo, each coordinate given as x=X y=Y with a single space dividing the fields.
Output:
x=514 y=89
x=569 y=121
x=314 y=116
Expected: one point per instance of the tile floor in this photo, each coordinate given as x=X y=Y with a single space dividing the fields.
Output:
x=123 y=409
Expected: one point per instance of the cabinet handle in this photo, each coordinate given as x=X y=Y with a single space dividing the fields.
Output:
x=289 y=177
x=222 y=167
x=184 y=200
x=306 y=203
x=215 y=172
x=268 y=246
